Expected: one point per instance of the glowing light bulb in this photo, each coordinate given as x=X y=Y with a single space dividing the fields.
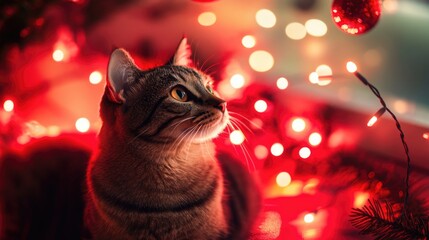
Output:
x=298 y=125
x=374 y=118
x=261 y=152
x=248 y=41
x=315 y=139
x=282 y=83
x=351 y=67
x=277 y=149
x=295 y=31
x=316 y=27
x=261 y=61
x=207 y=19
x=261 y=106
x=265 y=18
x=237 y=81
x=283 y=179
x=309 y=218
x=82 y=125
x=236 y=137
x=304 y=152
x=58 y=55
x=372 y=121
x=95 y=77
x=8 y=105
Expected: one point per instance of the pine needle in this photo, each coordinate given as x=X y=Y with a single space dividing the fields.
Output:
x=379 y=220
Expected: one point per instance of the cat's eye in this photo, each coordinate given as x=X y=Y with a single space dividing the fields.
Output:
x=179 y=94
x=210 y=89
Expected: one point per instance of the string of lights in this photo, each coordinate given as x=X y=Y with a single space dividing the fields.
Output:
x=352 y=68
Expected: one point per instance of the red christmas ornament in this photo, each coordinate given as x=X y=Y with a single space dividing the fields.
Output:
x=356 y=16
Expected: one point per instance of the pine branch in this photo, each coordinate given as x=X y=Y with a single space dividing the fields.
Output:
x=379 y=221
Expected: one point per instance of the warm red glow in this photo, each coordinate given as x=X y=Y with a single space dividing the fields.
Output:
x=315 y=139
x=82 y=125
x=426 y=135
x=283 y=179
x=8 y=105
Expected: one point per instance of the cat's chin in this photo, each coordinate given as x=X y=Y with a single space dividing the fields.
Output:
x=212 y=131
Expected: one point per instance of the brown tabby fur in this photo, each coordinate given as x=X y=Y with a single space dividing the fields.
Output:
x=156 y=174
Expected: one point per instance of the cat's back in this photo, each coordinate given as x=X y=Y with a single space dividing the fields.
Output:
x=41 y=188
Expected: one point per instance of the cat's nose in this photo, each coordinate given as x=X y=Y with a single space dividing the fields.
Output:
x=222 y=107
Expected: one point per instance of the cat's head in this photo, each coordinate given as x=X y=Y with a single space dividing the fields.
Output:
x=170 y=103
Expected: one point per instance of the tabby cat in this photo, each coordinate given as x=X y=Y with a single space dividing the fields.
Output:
x=156 y=174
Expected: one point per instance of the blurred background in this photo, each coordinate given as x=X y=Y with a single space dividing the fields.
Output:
x=281 y=64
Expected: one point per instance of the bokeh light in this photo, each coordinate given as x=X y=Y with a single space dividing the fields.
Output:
x=277 y=149
x=261 y=152
x=265 y=18
x=82 y=125
x=283 y=179
x=360 y=199
x=309 y=218
x=237 y=81
x=8 y=105
x=313 y=77
x=298 y=125
x=261 y=61
x=316 y=27
x=58 y=55
x=95 y=77
x=261 y=106
x=324 y=73
x=236 y=137
x=207 y=19
x=315 y=139
x=304 y=152
x=295 y=31
x=248 y=41
x=426 y=135
x=282 y=83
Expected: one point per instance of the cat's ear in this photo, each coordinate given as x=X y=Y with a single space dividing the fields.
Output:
x=121 y=69
x=183 y=54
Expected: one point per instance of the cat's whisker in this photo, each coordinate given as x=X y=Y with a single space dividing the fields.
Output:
x=245 y=118
x=238 y=123
x=138 y=135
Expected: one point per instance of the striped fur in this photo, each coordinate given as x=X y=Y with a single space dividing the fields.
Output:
x=156 y=174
